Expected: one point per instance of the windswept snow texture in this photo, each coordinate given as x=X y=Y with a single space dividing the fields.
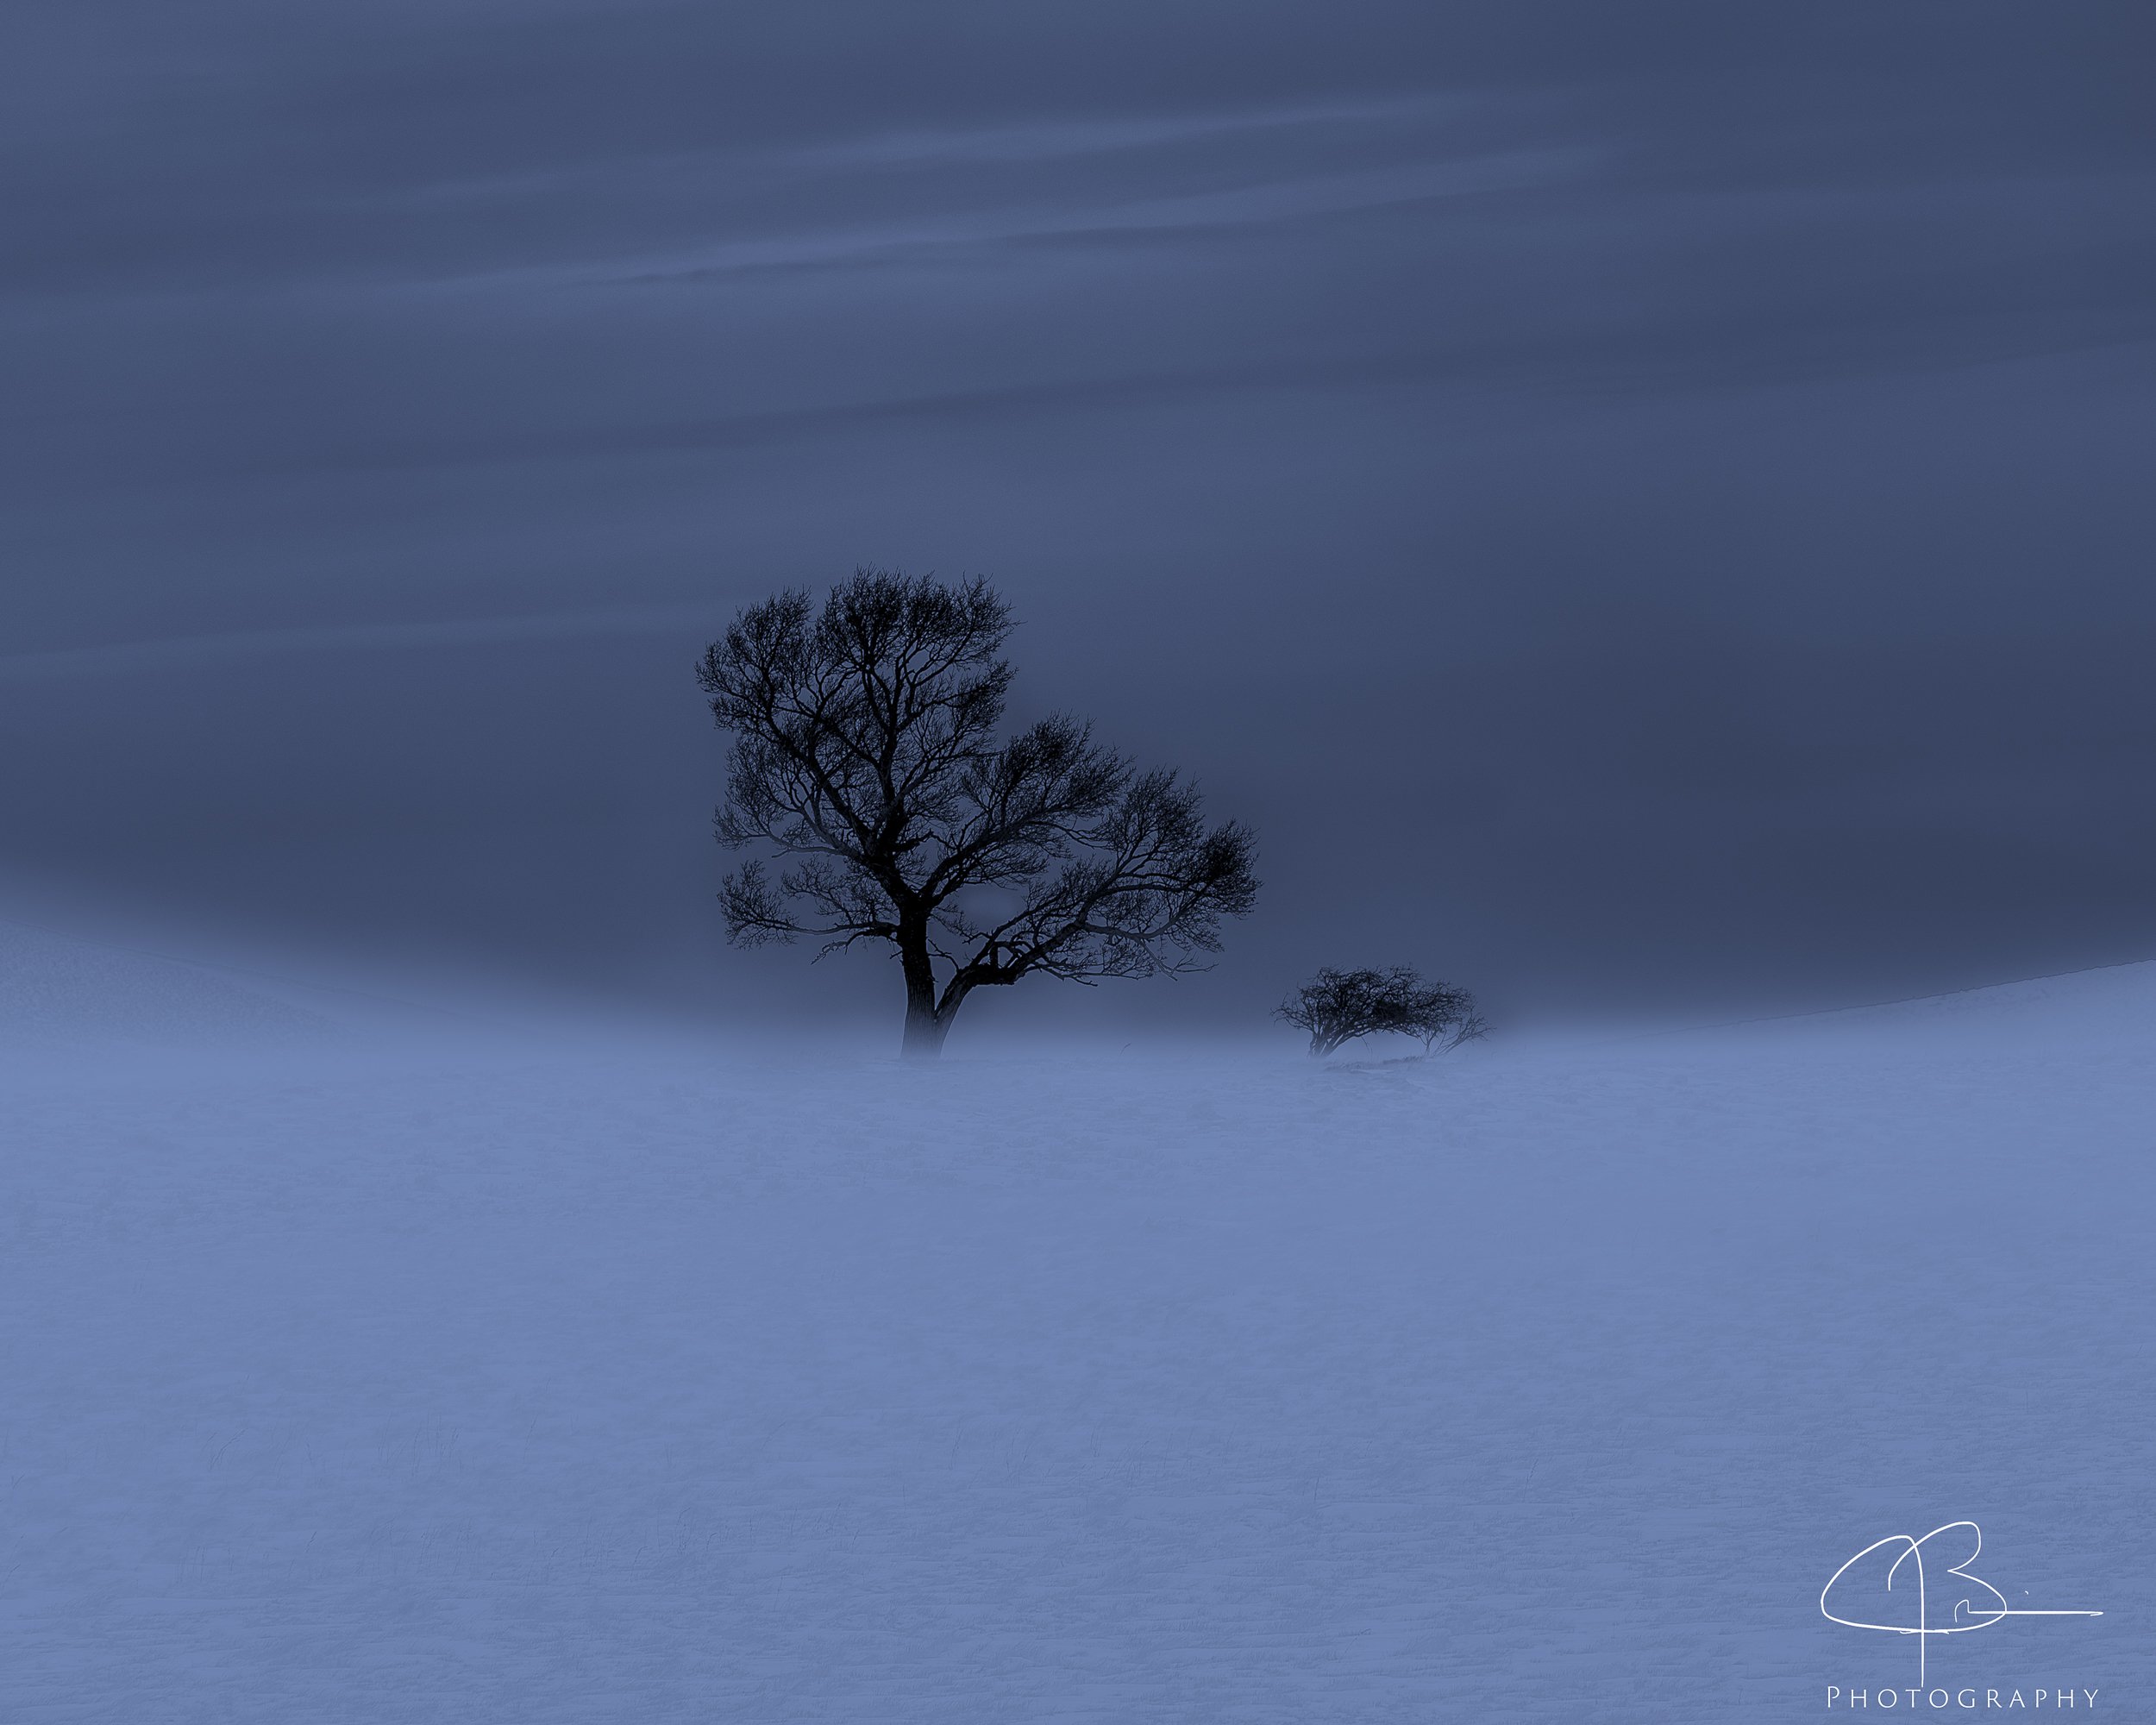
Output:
x=585 y=1379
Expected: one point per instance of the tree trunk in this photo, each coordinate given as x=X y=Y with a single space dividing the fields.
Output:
x=924 y=1032
x=925 y=1028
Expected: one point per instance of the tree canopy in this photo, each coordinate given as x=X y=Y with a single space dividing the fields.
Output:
x=867 y=763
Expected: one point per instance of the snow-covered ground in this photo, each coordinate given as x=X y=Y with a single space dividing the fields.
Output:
x=449 y=1373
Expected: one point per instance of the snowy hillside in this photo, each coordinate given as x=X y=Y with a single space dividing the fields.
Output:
x=59 y=988
x=2120 y=1000
x=377 y=1379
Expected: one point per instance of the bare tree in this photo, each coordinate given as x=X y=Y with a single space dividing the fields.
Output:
x=866 y=756
x=1342 y=1005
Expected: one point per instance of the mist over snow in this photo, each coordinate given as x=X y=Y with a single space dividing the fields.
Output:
x=369 y=1367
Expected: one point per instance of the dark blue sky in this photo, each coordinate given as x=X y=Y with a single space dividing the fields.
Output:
x=1632 y=501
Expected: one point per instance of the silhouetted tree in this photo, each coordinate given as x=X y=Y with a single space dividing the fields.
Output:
x=866 y=756
x=1342 y=1005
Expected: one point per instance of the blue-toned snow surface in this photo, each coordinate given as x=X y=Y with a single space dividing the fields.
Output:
x=445 y=1374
